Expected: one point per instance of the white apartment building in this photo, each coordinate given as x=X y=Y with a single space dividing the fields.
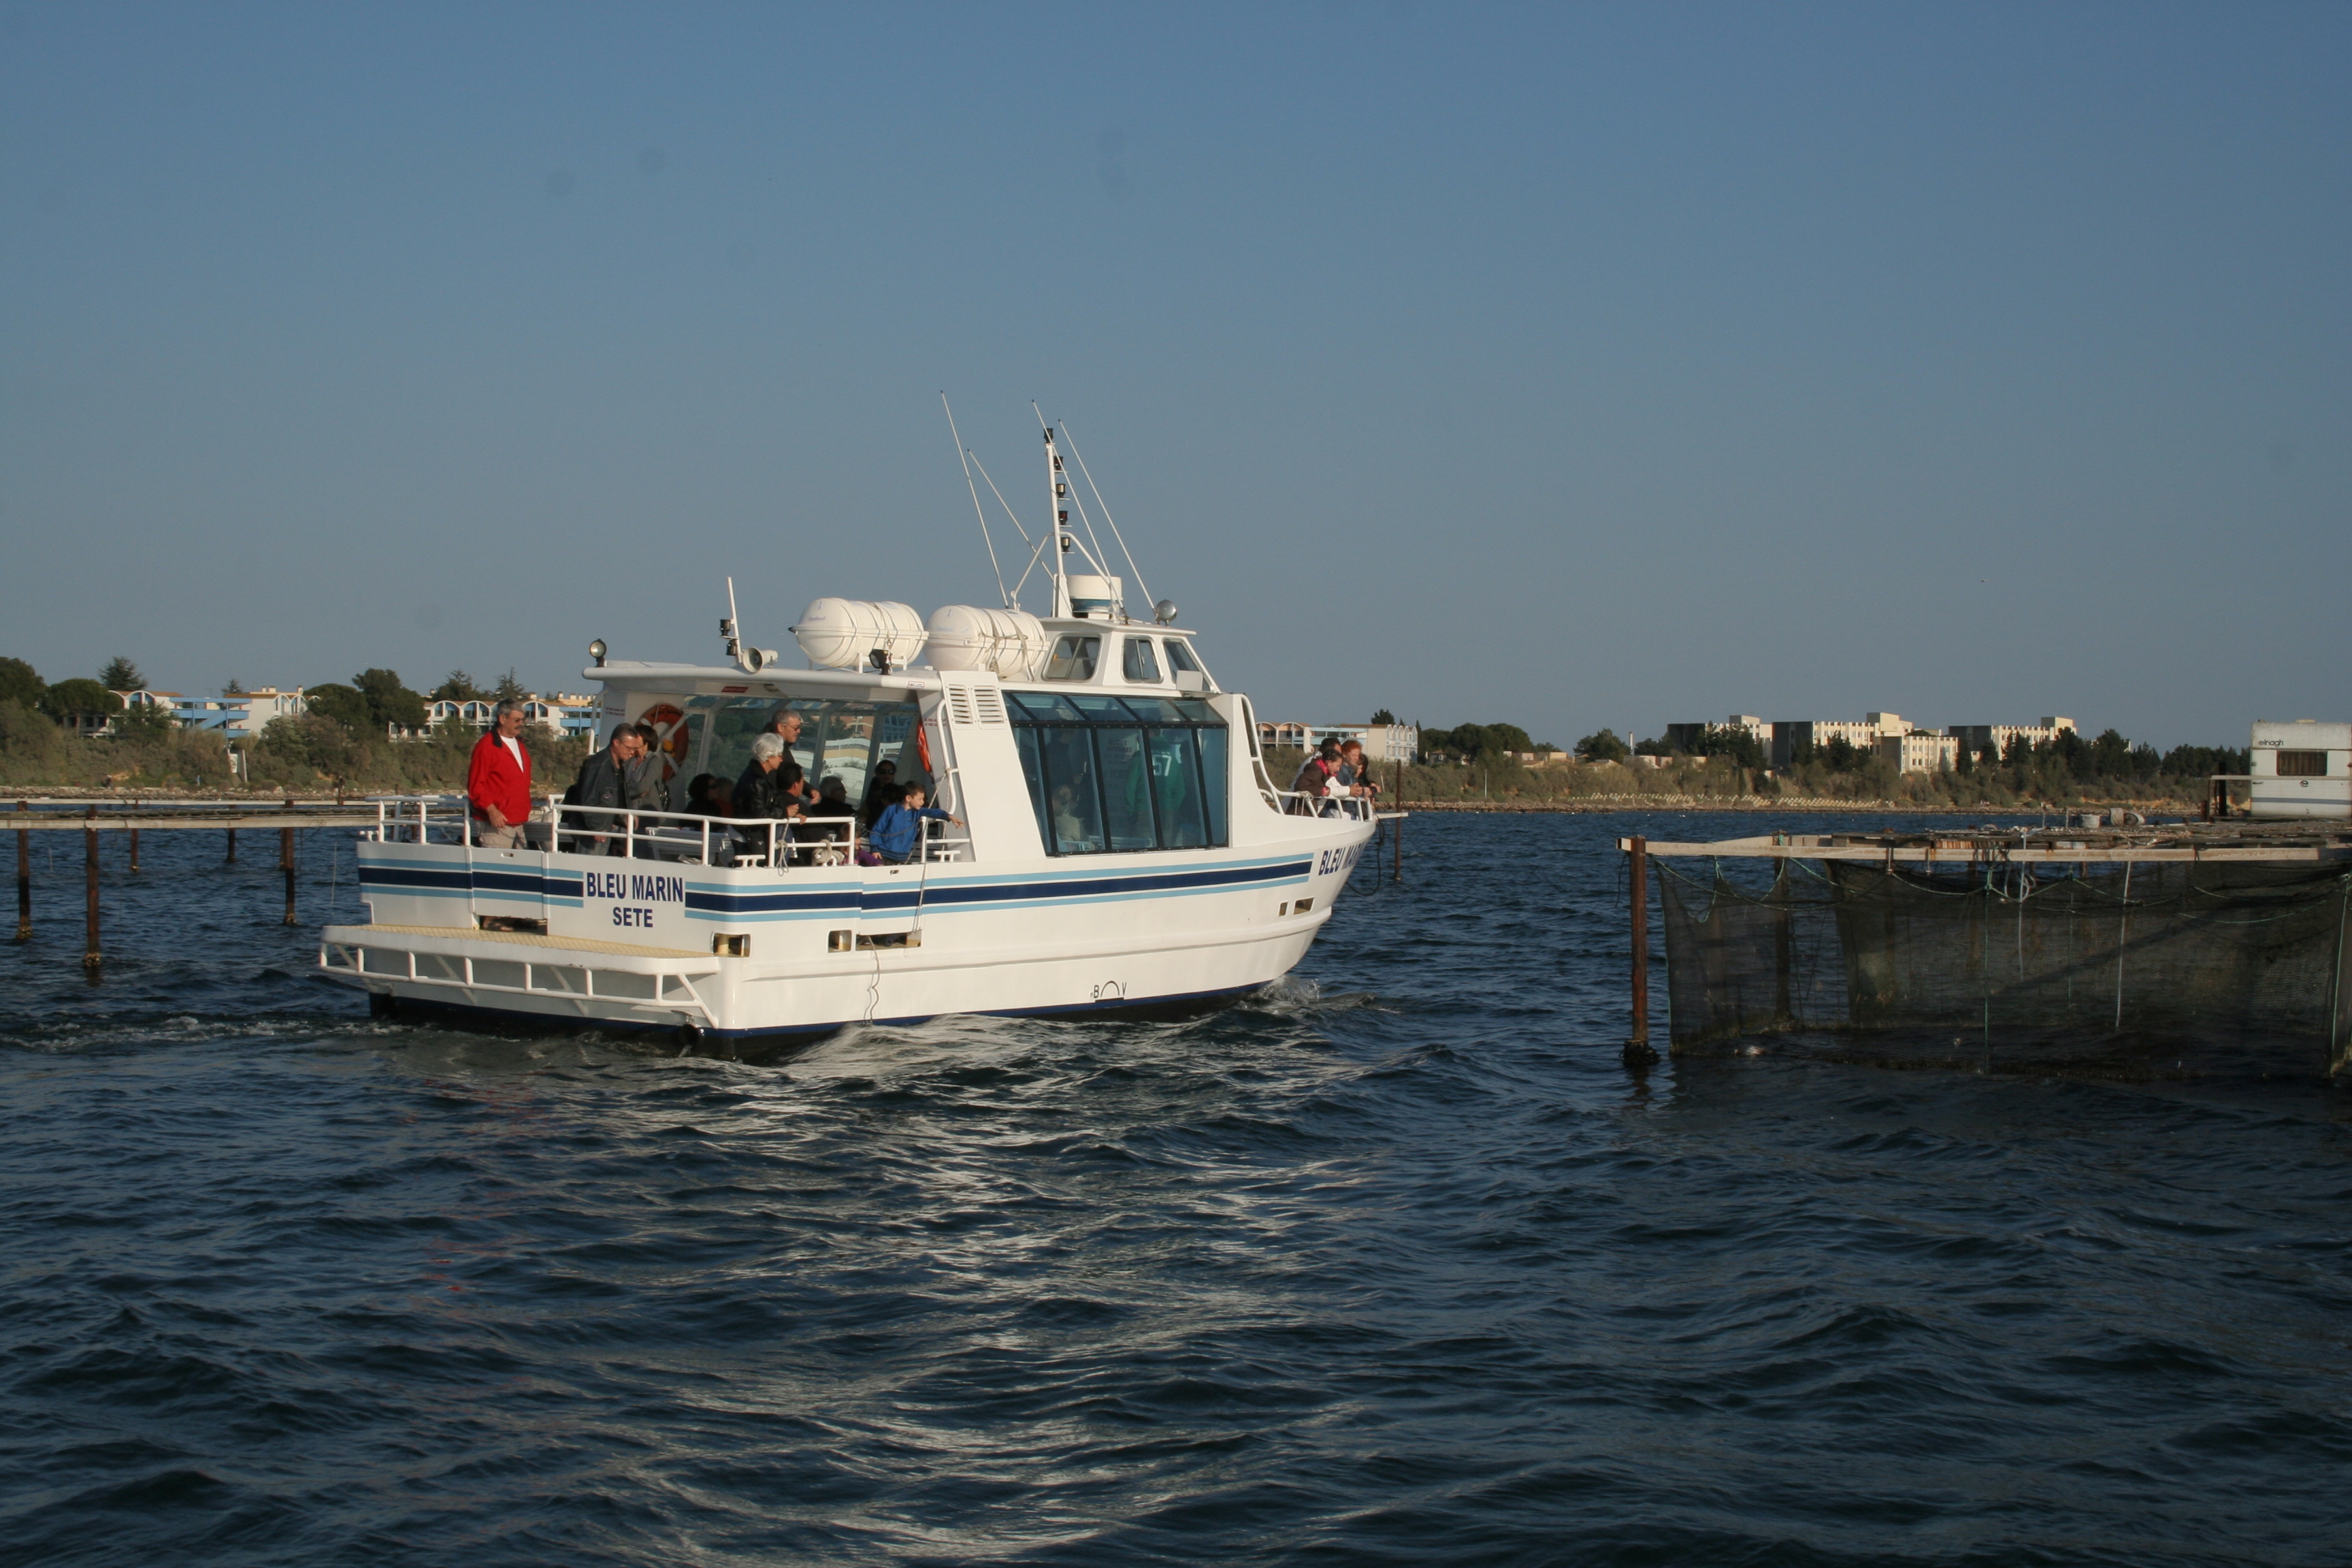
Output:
x=232 y=713
x=1920 y=752
x=1382 y=743
x=560 y=714
x=1977 y=737
x=1863 y=734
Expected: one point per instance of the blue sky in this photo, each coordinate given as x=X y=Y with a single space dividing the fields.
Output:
x=1568 y=365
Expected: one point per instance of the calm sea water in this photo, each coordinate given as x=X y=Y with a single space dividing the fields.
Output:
x=1395 y=1263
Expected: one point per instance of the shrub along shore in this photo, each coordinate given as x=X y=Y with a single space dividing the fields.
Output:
x=316 y=757
x=313 y=756
x=1720 y=784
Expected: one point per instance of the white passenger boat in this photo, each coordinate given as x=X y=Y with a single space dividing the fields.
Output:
x=1122 y=846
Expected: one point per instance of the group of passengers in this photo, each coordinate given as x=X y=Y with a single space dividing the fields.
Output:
x=629 y=776
x=1336 y=771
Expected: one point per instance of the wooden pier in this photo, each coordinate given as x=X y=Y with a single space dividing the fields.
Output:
x=90 y=820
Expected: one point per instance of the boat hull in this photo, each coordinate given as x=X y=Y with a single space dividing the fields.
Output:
x=747 y=959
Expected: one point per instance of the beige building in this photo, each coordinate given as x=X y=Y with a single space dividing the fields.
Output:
x=1381 y=742
x=1920 y=752
x=1863 y=734
x=1977 y=737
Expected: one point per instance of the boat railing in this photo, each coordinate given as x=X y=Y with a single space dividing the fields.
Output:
x=781 y=844
x=939 y=848
x=1301 y=803
x=418 y=819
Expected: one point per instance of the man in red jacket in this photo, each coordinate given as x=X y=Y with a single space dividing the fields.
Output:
x=497 y=783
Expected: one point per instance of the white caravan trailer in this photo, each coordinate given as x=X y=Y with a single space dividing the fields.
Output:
x=2301 y=769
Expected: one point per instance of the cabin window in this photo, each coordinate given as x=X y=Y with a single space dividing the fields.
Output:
x=2303 y=764
x=1127 y=788
x=1180 y=657
x=1066 y=785
x=1074 y=658
x=1033 y=768
x=1140 y=666
x=1110 y=775
x=843 y=740
x=1212 y=781
x=1175 y=789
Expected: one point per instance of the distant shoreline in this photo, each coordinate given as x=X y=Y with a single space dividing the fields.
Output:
x=1810 y=804
x=1808 y=807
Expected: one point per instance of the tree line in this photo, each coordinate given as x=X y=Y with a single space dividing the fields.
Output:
x=341 y=740
x=75 y=697
x=375 y=699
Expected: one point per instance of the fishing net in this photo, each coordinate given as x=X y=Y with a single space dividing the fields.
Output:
x=2174 y=968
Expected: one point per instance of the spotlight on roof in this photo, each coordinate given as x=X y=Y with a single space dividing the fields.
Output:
x=596 y=652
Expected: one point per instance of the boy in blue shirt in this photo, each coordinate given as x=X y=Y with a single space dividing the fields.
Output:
x=900 y=827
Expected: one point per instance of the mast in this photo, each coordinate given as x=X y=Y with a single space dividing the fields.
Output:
x=1059 y=490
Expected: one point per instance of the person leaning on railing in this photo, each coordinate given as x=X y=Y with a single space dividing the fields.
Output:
x=759 y=793
x=900 y=827
x=1353 y=774
x=602 y=783
x=1314 y=781
x=645 y=783
x=497 y=783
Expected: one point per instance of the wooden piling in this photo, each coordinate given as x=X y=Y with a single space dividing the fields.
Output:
x=285 y=863
x=232 y=846
x=1637 y=1046
x=91 y=956
x=134 y=849
x=1397 y=869
x=23 y=879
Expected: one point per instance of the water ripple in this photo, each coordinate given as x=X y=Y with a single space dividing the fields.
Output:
x=1392 y=1263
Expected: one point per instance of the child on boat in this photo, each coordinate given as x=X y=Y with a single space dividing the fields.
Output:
x=900 y=827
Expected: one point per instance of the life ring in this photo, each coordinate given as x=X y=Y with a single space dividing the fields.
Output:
x=673 y=737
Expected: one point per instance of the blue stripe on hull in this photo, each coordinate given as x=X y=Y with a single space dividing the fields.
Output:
x=715 y=902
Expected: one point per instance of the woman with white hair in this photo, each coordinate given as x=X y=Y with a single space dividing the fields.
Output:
x=759 y=792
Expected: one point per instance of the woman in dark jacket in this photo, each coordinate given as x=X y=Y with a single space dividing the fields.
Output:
x=762 y=794
x=698 y=799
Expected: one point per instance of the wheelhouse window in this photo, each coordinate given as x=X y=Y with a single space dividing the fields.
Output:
x=1074 y=658
x=1110 y=774
x=2303 y=764
x=1137 y=663
x=1180 y=657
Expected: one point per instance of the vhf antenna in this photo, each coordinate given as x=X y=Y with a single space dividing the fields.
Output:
x=1057 y=490
x=754 y=659
x=965 y=457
